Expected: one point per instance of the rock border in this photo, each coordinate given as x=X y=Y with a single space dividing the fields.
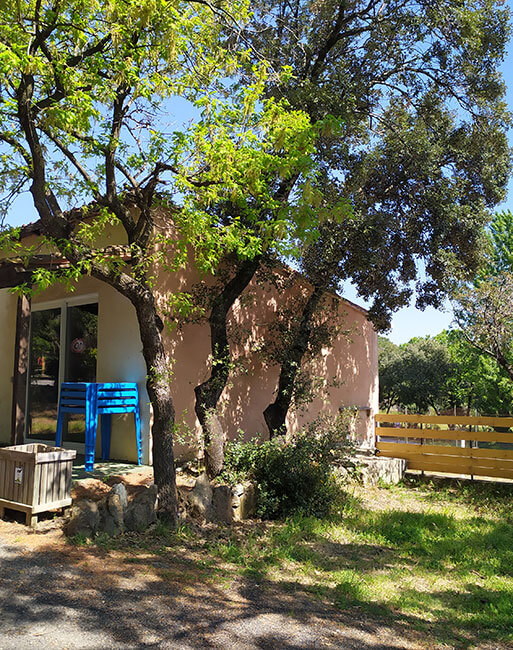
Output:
x=114 y=514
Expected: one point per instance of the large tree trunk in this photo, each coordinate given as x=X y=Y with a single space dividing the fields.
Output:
x=159 y=391
x=209 y=392
x=276 y=413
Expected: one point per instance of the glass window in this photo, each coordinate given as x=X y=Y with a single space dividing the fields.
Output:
x=48 y=364
x=80 y=359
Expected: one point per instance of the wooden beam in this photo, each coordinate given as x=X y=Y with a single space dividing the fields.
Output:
x=462 y=420
x=443 y=434
x=397 y=450
x=21 y=370
x=12 y=276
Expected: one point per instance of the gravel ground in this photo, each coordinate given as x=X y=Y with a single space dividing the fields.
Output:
x=54 y=595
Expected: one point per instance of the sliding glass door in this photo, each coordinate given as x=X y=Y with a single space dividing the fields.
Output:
x=63 y=347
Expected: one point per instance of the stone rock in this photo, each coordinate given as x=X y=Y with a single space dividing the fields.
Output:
x=243 y=501
x=183 y=502
x=200 y=498
x=222 y=510
x=85 y=518
x=120 y=490
x=111 y=515
x=373 y=470
x=47 y=525
x=141 y=511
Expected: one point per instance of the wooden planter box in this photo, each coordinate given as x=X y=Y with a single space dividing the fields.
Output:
x=35 y=478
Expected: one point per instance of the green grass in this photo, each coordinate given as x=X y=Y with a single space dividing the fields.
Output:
x=432 y=557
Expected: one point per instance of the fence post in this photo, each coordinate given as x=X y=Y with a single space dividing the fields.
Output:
x=472 y=443
x=421 y=452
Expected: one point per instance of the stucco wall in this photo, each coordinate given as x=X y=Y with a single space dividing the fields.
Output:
x=345 y=372
x=7 y=329
x=349 y=368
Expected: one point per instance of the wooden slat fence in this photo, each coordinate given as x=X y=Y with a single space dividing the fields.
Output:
x=474 y=446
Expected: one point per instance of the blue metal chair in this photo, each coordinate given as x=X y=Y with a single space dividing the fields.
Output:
x=97 y=399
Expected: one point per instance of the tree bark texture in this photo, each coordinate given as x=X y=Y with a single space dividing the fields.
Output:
x=275 y=414
x=209 y=392
x=159 y=392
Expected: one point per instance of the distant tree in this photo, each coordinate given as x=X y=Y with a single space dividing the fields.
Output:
x=426 y=369
x=444 y=371
x=390 y=364
x=483 y=308
x=477 y=381
x=484 y=313
x=415 y=374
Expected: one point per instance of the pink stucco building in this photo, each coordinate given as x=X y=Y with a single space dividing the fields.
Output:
x=90 y=333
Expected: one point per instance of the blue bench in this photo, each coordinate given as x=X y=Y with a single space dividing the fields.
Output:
x=97 y=399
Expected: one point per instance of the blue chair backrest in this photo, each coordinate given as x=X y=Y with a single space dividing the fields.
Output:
x=117 y=398
x=73 y=397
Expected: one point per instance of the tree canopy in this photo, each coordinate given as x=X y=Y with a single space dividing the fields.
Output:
x=422 y=154
x=442 y=373
x=482 y=307
x=415 y=374
x=500 y=237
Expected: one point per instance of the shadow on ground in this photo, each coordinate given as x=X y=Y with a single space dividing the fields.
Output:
x=234 y=588
x=81 y=598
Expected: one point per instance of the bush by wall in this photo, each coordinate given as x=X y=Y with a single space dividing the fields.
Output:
x=293 y=475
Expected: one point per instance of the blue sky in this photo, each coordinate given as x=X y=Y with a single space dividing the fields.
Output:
x=407 y=322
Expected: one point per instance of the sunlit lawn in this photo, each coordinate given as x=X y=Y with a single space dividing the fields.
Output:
x=437 y=558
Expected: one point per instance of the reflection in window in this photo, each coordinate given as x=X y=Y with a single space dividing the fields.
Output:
x=44 y=373
x=79 y=358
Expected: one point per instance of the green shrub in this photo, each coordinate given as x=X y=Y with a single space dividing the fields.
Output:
x=294 y=475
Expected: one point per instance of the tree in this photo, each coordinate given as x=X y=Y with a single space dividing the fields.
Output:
x=426 y=369
x=84 y=91
x=308 y=325
x=482 y=308
x=477 y=381
x=414 y=374
x=484 y=314
x=421 y=176
x=390 y=373
x=500 y=235
x=279 y=211
x=270 y=203
x=444 y=371
x=418 y=174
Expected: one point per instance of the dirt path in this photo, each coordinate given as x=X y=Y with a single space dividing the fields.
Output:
x=54 y=595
